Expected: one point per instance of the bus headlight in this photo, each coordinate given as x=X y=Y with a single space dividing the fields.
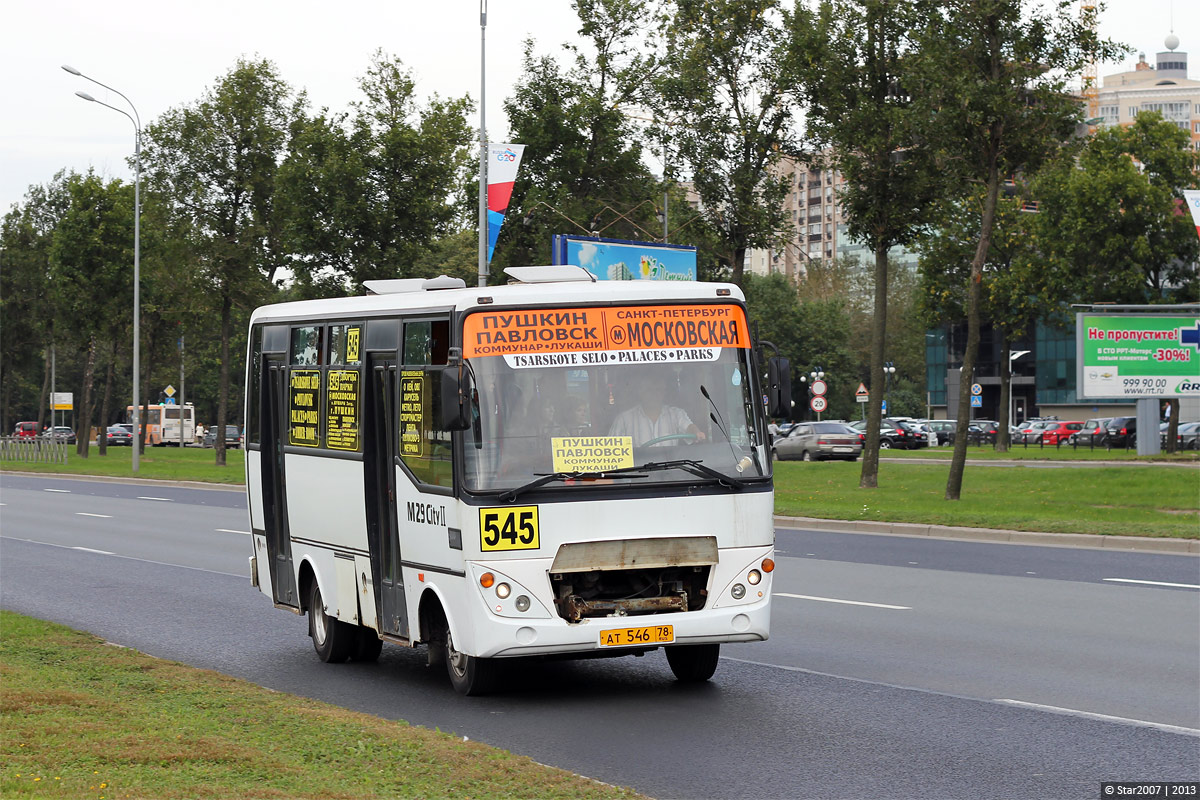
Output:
x=503 y=590
x=754 y=577
x=738 y=591
x=522 y=603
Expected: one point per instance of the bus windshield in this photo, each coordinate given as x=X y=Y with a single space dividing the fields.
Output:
x=642 y=414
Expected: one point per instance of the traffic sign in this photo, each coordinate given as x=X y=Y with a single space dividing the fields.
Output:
x=976 y=389
x=819 y=387
x=169 y=391
x=861 y=394
x=976 y=401
x=818 y=403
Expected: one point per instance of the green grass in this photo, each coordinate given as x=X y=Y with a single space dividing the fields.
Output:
x=1141 y=501
x=85 y=719
x=1033 y=452
x=159 y=463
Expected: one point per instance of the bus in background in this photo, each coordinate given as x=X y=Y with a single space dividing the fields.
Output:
x=556 y=467
x=162 y=423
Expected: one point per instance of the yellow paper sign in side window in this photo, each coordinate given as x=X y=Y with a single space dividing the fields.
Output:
x=591 y=453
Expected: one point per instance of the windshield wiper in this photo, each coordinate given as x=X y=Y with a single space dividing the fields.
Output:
x=542 y=479
x=696 y=468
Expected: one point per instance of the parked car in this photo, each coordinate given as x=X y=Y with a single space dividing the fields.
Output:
x=946 y=430
x=61 y=432
x=1189 y=436
x=1060 y=431
x=891 y=434
x=25 y=430
x=1092 y=433
x=1031 y=431
x=983 y=431
x=116 y=436
x=233 y=436
x=1186 y=435
x=815 y=441
x=1121 y=432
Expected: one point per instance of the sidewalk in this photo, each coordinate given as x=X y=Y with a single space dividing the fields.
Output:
x=1134 y=543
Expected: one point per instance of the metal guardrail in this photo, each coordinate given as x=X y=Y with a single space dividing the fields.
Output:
x=33 y=449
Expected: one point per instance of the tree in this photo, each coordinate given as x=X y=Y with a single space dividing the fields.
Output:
x=1020 y=286
x=727 y=77
x=91 y=254
x=27 y=312
x=364 y=193
x=583 y=167
x=854 y=61
x=1111 y=214
x=990 y=77
x=215 y=162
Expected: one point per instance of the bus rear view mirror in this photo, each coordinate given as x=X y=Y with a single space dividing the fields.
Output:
x=779 y=387
x=456 y=397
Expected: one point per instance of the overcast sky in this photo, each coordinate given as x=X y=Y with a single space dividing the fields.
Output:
x=163 y=55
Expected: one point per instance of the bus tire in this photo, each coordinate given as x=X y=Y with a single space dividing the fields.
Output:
x=470 y=675
x=367 y=645
x=693 y=663
x=332 y=639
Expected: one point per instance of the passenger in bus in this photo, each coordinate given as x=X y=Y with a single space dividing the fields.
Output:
x=571 y=417
x=650 y=418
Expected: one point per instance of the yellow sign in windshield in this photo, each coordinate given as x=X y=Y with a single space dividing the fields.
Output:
x=591 y=453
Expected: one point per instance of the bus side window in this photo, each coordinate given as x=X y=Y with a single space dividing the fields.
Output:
x=424 y=447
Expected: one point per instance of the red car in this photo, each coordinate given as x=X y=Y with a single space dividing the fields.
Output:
x=25 y=430
x=1060 y=432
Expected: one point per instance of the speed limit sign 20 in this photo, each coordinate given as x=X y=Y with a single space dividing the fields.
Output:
x=818 y=403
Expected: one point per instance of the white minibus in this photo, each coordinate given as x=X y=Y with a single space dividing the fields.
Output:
x=558 y=466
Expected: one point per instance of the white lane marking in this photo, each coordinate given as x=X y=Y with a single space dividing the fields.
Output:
x=1162 y=726
x=1154 y=583
x=90 y=550
x=1072 y=712
x=86 y=514
x=60 y=491
x=227 y=530
x=160 y=499
x=128 y=558
x=845 y=602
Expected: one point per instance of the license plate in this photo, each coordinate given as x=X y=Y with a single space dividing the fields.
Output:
x=843 y=449
x=623 y=637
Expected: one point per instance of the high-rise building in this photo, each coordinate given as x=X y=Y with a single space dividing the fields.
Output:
x=1163 y=86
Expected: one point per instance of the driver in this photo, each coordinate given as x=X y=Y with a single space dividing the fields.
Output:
x=650 y=418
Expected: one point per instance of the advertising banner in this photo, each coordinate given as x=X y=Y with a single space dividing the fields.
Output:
x=621 y=335
x=620 y=260
x=503 y=161
x=1130 y=356
x=1192 y=198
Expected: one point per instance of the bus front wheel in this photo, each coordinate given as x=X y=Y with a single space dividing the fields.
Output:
x=470 y=675
x=693 y=663
x=332 y=638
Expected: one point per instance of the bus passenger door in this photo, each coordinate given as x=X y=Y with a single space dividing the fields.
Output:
x=380 y=465
x=274 y=436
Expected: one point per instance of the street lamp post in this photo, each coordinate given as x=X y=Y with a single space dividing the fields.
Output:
x=817 y=374
x=889 y=374
x=137 y=246
x=1013 y=355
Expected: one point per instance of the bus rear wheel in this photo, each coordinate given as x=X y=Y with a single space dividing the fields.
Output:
x=693 y=663
x=332 y=639
x=470 y=675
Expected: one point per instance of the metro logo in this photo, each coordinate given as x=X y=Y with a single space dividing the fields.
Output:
x=523 y=331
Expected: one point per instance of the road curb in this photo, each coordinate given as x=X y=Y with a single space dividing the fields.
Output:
x=1136 y=543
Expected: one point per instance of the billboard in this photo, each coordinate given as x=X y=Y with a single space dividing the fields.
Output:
x=1133 y=356
x=620 y=260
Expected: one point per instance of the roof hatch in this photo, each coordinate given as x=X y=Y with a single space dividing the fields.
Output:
x=406 y=285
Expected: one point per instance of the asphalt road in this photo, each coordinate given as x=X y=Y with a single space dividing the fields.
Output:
x=897 y=667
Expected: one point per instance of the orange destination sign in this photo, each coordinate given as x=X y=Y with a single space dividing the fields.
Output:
x=543 y=332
